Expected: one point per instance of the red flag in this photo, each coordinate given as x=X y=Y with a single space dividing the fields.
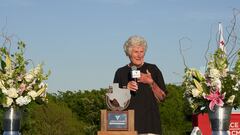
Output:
x=221 y=39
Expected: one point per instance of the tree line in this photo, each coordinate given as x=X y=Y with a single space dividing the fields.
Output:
x=78 y=113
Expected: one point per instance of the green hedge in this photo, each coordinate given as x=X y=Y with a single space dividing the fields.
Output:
x=78 y=113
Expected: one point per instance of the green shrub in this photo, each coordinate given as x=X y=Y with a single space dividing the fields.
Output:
x=173 y=112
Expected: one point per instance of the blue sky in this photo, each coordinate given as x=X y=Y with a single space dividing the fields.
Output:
x=81 y=41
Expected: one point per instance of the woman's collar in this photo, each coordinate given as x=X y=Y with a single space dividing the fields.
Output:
x=130 y=65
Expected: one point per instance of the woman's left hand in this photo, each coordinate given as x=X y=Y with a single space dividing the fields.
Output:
x=146 y=78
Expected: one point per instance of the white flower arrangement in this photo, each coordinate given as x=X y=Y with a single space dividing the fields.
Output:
x=217 y=86
x=19 y=87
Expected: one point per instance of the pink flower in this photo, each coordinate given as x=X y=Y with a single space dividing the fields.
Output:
x=22 y=88
x=216 y=99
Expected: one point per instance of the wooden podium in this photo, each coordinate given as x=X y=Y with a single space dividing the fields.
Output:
x=129 y=130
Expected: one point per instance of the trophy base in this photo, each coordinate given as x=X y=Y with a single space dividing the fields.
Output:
x=117 y=123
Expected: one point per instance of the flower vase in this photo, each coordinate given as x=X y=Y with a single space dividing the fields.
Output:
x=220 y=120
x=11 y=122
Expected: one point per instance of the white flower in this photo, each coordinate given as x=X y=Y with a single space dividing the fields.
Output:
x=30 y=87
x=237 y=86
x=203 y=108
x=214 y=73
x=196 y=92
x=224 y=72
x=190 y=100
x=4 y=91
x=23 y=100
x=204 y=94
x=29 y=77
x=19 y=78
x=189 y=72
x=37 y=70
x=8 y=102
x=42 y=84
x=10 y=82
x=9 y=71
x=231 y=99
x=32 y=94
x=12 y=93
x=216 y=82
x=19 y=84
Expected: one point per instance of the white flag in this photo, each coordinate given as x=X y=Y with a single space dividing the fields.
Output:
x=221 y=39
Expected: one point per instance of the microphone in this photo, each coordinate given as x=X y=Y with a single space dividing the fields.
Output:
x=135 y=73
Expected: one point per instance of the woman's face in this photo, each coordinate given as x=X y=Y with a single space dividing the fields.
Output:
x=137 y=55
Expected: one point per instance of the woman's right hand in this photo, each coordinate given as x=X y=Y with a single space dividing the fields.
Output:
x=132 y=85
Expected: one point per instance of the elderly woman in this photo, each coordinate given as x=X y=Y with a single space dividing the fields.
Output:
x=146 y=91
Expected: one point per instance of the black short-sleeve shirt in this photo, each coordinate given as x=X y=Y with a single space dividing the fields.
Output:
x=143 y=102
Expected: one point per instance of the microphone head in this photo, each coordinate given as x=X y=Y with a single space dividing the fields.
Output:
x=134 y=68
x=135 y=73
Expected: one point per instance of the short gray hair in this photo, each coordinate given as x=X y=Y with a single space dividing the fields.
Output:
x=134 y=41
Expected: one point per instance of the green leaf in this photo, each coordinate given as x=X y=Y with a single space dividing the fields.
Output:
x=3 y=65
x=198 y=85
x=8 y=61
x=199 y=76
